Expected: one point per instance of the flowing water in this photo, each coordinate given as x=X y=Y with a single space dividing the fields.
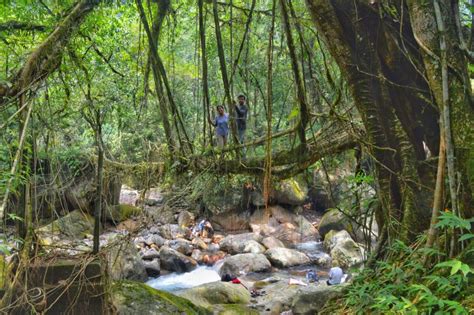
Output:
x=179 y=281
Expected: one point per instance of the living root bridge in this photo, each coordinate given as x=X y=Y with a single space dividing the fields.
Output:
x=329 y=140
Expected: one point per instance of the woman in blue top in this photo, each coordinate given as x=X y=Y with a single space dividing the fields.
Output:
x=221 y=122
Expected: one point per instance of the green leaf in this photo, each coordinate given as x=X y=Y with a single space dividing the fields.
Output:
x=465 y=237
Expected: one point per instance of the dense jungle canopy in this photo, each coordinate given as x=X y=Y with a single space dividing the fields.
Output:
x=129 y=89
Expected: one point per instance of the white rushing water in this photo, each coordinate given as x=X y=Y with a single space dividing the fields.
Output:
x=179 y=281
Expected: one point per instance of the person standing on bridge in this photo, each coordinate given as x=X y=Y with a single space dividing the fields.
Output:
x=241 y=109
x=221 y=122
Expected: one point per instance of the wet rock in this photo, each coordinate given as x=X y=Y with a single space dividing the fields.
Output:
x=245 y=263
x=173 y=260
x=334 y=237
x=286 y=257
x=253 y=247
x=213 y=247
x=235 y=244
x=209 y=294
x=128 y=297
x=272 y=242
x=152 y=267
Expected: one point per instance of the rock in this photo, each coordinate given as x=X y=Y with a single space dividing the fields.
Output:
x=256 y=198
x=199 y=243
x=185 y=219
x=312 y=301
x=197 y=255
x=170 y=231
x=212 y=247
x=128 y=196
x=235 y=244
x=321 y=259
x=209 y=294
x=75 y=225
x=128 y=297
x=290 y=191
x=334 y=237
x=332 y=220
x=181 y=245
x=121 y=212
x=153 y=197
x=128 y=225
x=222 y=198
x=272 y=242
x=173 y=260
x=253 y=247
x=286 y=257
x=344 y=251
x=124 y=261
x=152 y=267
x=231 y=221
x=245 y=263
x=154 y=239
x=150 y=254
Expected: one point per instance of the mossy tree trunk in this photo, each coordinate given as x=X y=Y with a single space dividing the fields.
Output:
x=376 y=49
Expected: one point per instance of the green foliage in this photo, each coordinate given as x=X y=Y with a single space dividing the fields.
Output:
x=404 y=285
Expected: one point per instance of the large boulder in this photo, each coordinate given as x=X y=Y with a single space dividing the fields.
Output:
x=235 y=243
x=312 y=301
x=75 y=225
x=153 y=197
x=286 y=257
x=129 y=297
x=124 y=261
x=231 y=221
x=344 y=251
x=333 y=220
x=173 y=260
x=254 y=247
x=272 y=242
x=209 y=294
x=290 y=191
x=245 y=263
x=121 y=212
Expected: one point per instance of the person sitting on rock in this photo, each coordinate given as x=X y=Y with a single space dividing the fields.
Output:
x=335 y=276
x=207 y=230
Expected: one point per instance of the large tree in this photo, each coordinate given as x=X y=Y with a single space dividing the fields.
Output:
x=389 y=53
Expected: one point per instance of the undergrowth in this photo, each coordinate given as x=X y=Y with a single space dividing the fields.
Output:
x=405 y=284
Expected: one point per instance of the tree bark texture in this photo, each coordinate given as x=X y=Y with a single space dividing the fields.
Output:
x=379 y=57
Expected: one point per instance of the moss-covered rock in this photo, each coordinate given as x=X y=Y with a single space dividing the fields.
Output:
x=209 y=294
x=291 y=192
x=130 y=297
x=333 y=220
x=75 y=225
x=121 y=212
